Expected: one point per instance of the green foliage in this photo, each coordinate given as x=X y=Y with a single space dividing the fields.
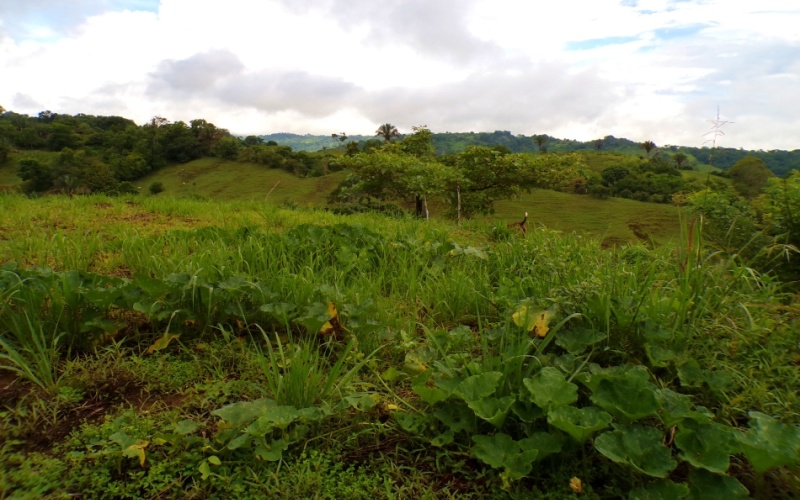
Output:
x=156 y=187
x=640 y=447
x=749 y=176
x=770 y=443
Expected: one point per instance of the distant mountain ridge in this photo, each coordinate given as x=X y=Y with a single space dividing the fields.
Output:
x=779 y=161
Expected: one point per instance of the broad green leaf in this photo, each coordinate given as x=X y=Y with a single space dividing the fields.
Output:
x=243 y=412
x=627 y=398
x=706 y=485
x=580 y=423
x=494 y=450
x=493 y=410
x=427 y=390
x=185 y=427
x=443 y=439
x=281 y=415
x=477 y=387
x=392 y=374
x=457 y=417
x=659 y=355
x=638 y=446
x=502 y=452
x=413 y=423
x=719 y=381
x=769 y=443
x=204 y=470
x=706 y=445
x=576 y=341
x=314 y=317
x=271 y=452
x=690 y=374
x=527 y=412
x=260 y=427
x=282 y=311
x=122 y=439
x=674 y=406
x=597 y=374
x=549 y=389
x=547 y=444
x=214 y=460
x=660 y=490
x=239 y=441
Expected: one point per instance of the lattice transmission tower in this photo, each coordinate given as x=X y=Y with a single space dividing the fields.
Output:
x=715 y=133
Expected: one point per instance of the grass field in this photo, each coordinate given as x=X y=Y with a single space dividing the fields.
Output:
x=162 y=347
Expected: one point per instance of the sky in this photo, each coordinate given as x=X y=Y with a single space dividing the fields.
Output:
x=659 y=70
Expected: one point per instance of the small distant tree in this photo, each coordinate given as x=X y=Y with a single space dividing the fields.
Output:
x=679 y=159
x=387 y=132
x=541 y=142
x=341 y=137
x=749 y=176
x=648 y=146
x=598 y=144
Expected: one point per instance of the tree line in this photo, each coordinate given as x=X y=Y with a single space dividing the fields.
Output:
x=105 y=153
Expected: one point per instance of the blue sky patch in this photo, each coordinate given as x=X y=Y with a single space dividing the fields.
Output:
x=684 y=31
x=594 y=43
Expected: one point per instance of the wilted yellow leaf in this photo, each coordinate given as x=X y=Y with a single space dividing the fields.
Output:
x=161 y=343
x=533 y=321
x=332 y=326
x=576 y=485
x=542 y=320
x=136 y=450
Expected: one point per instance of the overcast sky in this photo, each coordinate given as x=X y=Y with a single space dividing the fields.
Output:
x=578 y=69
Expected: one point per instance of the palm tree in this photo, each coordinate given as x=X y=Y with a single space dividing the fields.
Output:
x=387 y=131
x=648 y=146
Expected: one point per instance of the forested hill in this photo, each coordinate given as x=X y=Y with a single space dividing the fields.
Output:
x=778 y=161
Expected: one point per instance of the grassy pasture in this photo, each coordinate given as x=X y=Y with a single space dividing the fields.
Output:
x=171 y=347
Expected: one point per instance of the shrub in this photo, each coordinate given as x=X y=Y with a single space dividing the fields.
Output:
x=156 y=187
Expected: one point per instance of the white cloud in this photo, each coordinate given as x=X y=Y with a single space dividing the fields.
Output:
x=646 y=69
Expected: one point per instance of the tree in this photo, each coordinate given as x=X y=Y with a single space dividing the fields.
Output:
x=541 y=142
x=38 y=176
x=487 y=175
x=393 y=175
x=227 y=148
x=387 y=132
x=598 y=144
x=648 y=146
x=749 y=176
x=679 y=159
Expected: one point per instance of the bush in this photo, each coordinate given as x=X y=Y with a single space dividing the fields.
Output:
x=599 y=191
x=156 y=188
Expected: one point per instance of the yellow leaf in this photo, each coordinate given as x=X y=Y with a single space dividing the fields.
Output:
x=542 y=319
x=534 y=322
x=332 y=326
x=576 y=485
x=136 y=450
x=161 y=343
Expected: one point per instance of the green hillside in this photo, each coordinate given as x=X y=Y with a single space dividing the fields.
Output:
x=613 y=220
